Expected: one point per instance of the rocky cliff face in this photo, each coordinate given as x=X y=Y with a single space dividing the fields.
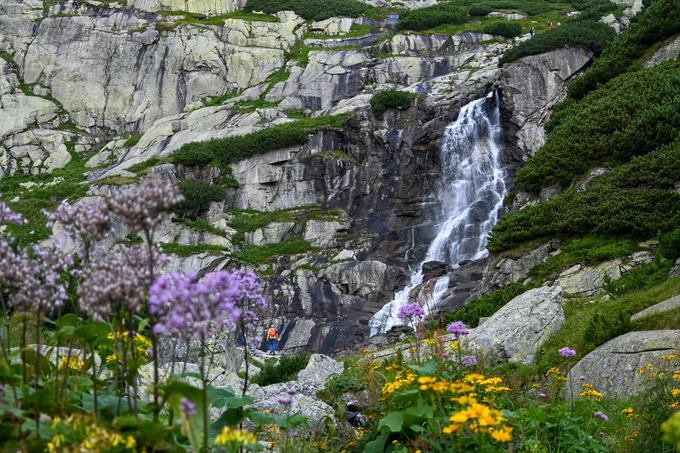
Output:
x=88 y=74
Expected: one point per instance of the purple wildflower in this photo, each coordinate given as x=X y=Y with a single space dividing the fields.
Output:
x=186 y=306
x=410 y=311
x=187 y=407
x=567 y=352
x=601 y=415
x=469 y=360
x=115 y=281
x=140 y=206
x=285 y=400
x=582 y=378
x=291 y=391
x=542 y=395
x=457 y=328
x=9 y=216
x=601 y=434
x=87 y=221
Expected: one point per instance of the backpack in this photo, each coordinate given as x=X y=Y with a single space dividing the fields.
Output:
x=271 y=334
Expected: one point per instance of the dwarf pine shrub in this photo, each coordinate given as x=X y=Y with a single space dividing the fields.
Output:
x=390 y=99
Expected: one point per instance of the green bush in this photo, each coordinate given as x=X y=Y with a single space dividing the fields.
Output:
x=594 y=9
x=669 y=244
x=285 y=370
x=262 y=254
x=484 y=306
x=312 y=9
x=223 y=151
x=433 y=16
x=660 y=20
x=198 y=195
x=587 y=34
x=633 y=114
x=479 y=10
x=504 y=29
x=132 y=140
x=390 y=99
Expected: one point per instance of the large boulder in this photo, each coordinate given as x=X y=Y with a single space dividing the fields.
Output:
x=613 y=367
x=517 y=331
x=207 y=7
x=319 y=369
x=661 y=307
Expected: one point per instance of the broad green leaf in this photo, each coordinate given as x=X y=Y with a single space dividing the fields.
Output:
x=392 y=421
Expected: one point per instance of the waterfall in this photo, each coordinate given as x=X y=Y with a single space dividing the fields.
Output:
x=471 y=197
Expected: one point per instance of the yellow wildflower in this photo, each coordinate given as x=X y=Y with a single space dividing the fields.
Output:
x=229 y=435
x=71 y=362
x=675 y=392
x=452 y=428
x=632 y=436
x=646 y=369
x=473 y=378
x=588 y=391
x=502 y=434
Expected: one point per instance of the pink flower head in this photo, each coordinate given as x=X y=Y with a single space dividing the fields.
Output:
x=469 y=360
x=457 y=328
x=601 y=416
x=567 y=352
x=411 y=311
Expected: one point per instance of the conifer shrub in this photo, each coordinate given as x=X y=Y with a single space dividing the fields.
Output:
x=504 y=29
x=633 y=114
x=285 y=370
x=198 y=195
x=660 y=20
x=669 y=244
x=433 y=16
x=311 y=9
x=587 y=34
x=223 y=151
x=390 y=99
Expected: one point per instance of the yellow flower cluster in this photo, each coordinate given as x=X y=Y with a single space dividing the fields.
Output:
x=141 y=344
x=237 y=436
x=402 y=379
x=71 y=362
x=629 y=412
x=467 y=385
x=479 y=418
x=556 y=374
x=91 y=437
x=588 y=391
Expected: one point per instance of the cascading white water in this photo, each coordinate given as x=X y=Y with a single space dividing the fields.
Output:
x=471 y=198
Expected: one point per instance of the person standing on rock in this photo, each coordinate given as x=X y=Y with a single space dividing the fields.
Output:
x=272 y=339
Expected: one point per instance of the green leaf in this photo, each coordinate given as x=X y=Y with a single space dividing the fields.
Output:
x=260 y=418
x=392 y=421
x=377 y=445
x=426 y=369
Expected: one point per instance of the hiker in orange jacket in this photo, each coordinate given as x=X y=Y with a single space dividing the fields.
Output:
x=272 y=339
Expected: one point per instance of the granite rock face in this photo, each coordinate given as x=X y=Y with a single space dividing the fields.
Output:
x=613 y=367
x=517 y=331
x=531 y=87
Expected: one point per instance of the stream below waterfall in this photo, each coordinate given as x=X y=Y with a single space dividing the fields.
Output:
x=471 y=193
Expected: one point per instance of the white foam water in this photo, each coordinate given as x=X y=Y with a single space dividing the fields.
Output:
x=471 y=199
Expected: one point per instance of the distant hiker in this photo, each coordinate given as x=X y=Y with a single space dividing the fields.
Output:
x=241 y=340
x=531 y=31
x=550 y=24
x=272 y=339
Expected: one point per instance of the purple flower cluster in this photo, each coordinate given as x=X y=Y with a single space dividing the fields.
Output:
x=140 y=206
x=37 y=279
x=85 y=222
x=601 y=416
x=186 y=306
x=114 y=281
x=287 y=399
x=187 y=407
x=457 y=328
x=567 y=352
x=410 y=312
x=469 y=360
x=10 y=217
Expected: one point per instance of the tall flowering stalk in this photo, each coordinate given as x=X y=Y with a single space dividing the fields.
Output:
x=141 y=207
x=412 y=314
x=460 y=329
x=188 y=307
